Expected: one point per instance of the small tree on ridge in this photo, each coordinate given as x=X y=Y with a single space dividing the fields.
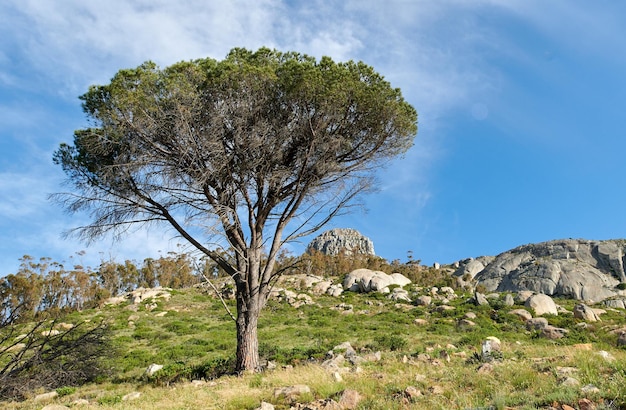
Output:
x=261 y=148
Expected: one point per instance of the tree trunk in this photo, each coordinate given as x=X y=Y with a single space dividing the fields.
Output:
x=247 y=337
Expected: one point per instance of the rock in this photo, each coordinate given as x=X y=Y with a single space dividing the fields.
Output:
x=18 y=347
x=336 y=241
x=584 y=312
x=491 y=349
x=615 y=303
x=322 y=287
x=589 y=389
x=575 y=268
x=586 y=404
x=465 y=323
x=46 y=396
x=424 y=300
x=621 y=339
x=80 y=402
x=470 y=315
x=412 y=393
x=131 y=396
x=420 y=322
x=48 y=333
x=570 y=382
x=335 y=290
x=153 y=368
x=480 y=299
x=536 y=323
x=265 y=406
x=366 y=280
x=444 y=308
x=485 y=368
x=542 y=305
x=55 y=407
x=350 y=399
x=522 y=314
x=399 y=294
x=437 y=390
x=508 y=300
x=553 y=333
x=292 y=392
x=142 y=294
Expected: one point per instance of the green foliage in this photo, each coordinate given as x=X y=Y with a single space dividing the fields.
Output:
x=390 y=342
x=65 y=391
x=179 y=371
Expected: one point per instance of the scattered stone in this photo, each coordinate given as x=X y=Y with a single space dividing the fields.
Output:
x=522 y=314
x=412 y=393
x=542 y=305
x=53 y=332
x=606 y=355
x=586 y=404
x=46 y=396
x=161 y=314
x=444 y=308
x=465 y=323
x=480 y=299
x=292 y=392
x=589 y=389
x=621 y=339
x=65 y=326
x=335 y=290
x=424 y=300
x=537 y=323
x=265 y=406
x=350 y=399
x=80 y=402
x=508 y=300
x=470 y=315
x=584 y=312
x=437 y=390
x=570 y=382
x=337 y=377
x=420 y=322
x=553 y=333
x=55 y=407
x=131 y=396
x=485 y=368
x=18 y=347
x=562 y=371
x=153 y=368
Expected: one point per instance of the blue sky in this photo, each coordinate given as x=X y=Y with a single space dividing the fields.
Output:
x=521 y=124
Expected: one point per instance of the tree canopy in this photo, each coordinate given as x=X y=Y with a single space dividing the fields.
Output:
x=261 y=147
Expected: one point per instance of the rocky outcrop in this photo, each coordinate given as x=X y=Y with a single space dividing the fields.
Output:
x=336 y=241
x=366 y=280
x=579 y=269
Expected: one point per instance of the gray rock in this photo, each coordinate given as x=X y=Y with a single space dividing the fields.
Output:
x=336 y=241
x=615 y=303
x=46 y=396
x=580 y=269
x=621 y=339
x=366 y=280
x=508 y=300
x=523 y=314
x=537 y=323
x=292 y=392
x=480 y=299
x=542 y=305
x=584 y=312
x=153 y=368
x=424 y=300
x=553 y=333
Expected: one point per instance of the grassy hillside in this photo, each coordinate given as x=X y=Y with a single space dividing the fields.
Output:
x=429 y=357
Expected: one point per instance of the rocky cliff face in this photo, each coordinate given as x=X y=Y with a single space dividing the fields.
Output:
x=576 y=268
x=350 y=241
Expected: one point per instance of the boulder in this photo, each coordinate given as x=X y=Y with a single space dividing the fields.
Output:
x=522 y=314
x=542 y=305
x=576 y=268
x=584 y=312
x=292 y=392
x=366 y=280
x=536 y=323
x=337 y=241
x=553 y=333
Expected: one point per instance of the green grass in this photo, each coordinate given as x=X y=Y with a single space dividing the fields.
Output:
x=196 y=340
